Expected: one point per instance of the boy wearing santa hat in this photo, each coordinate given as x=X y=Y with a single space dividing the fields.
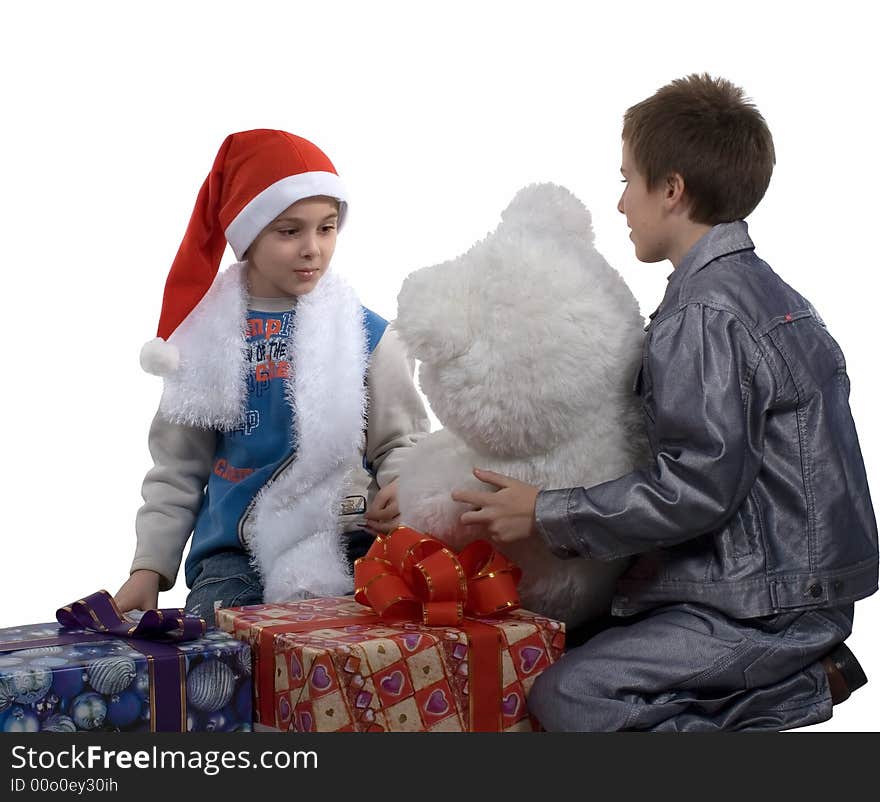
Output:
x=286 y=403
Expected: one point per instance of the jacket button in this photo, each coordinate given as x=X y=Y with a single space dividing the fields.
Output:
x=815 y=589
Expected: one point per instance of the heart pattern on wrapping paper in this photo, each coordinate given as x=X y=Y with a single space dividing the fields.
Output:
x=306 y=721
x=392 y=683
x=321 y=678
x=352 y=664
x=437 y=703
x=528 y=658
x=284 y=708
x=296 y=669
x=411 y=641
x=510 y=704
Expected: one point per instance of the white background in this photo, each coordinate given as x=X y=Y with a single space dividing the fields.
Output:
x=434 y=114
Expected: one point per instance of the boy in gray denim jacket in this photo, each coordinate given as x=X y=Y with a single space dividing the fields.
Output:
x=752 y=530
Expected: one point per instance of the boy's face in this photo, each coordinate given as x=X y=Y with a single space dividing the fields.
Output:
x=292 y=253
x=645 y=212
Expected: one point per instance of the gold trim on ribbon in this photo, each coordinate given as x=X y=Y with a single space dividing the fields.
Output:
x=181 y=664
x=152 y=672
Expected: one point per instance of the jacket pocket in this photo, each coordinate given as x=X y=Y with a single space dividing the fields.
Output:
x=743 y=530
x=739 y=537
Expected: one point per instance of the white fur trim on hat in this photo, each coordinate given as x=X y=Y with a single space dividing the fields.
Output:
x=273 y=200
x=159 y=357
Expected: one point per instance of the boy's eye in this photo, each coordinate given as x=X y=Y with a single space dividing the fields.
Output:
x=289 y=232
x=328 y=228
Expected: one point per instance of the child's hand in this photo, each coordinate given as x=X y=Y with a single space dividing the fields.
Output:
x=506 y=514
x=383 y=515
x=140 y=592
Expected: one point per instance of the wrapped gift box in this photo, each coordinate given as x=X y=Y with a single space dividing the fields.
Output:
x=333 y=665
x=62 y=680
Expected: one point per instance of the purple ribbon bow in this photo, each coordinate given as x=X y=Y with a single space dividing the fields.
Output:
x=99 y=612
x=154 y=635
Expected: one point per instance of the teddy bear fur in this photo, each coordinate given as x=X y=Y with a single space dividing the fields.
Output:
x=529 y=343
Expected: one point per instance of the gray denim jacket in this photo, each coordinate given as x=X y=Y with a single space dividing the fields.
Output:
x=757 y=500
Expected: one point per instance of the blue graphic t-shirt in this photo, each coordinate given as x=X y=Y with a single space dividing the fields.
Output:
x=263 y=444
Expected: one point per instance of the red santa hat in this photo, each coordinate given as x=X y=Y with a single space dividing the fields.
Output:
x=256 y=175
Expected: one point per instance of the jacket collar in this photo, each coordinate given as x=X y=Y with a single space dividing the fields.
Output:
x=721 y=240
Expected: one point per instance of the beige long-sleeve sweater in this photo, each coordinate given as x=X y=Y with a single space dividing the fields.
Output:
x=173 y=488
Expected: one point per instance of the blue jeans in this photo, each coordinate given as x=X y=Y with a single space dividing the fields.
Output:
x=227 y=578
x=224 y=579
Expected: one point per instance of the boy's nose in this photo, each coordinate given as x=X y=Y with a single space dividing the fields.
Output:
x=620 y=204
x=309 y=246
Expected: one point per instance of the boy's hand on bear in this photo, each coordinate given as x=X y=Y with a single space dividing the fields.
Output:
x=140 y=592
x=383 y=514
x=506 y=514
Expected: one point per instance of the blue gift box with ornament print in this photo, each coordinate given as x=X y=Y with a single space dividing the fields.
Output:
x=55 y=679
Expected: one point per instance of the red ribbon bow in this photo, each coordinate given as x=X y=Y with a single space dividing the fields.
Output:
x=409 y=575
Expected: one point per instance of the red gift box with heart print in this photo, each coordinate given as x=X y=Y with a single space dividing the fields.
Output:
x=331 y=665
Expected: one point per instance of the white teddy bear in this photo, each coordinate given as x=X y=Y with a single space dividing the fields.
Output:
x=529 y=344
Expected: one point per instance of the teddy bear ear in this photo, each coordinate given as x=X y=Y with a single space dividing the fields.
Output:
x=548 y=207
x=432 y=313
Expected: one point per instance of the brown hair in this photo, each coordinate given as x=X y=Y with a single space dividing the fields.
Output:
x=705 y=130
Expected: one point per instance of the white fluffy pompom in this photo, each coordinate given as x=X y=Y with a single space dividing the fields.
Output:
x=159 y=357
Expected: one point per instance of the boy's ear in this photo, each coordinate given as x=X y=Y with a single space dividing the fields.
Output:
x=674 y=189
x=432 y=313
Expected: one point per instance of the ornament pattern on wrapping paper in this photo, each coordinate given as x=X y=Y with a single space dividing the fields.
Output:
x=244 y=662
x=41 y=651
x=20 y=719
x=111 y=675
x=210 y=685
x=31 y=684
x=89 y=711
x=105 y=685
x=50 y=661
x=7 y=694
x=59 y=724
